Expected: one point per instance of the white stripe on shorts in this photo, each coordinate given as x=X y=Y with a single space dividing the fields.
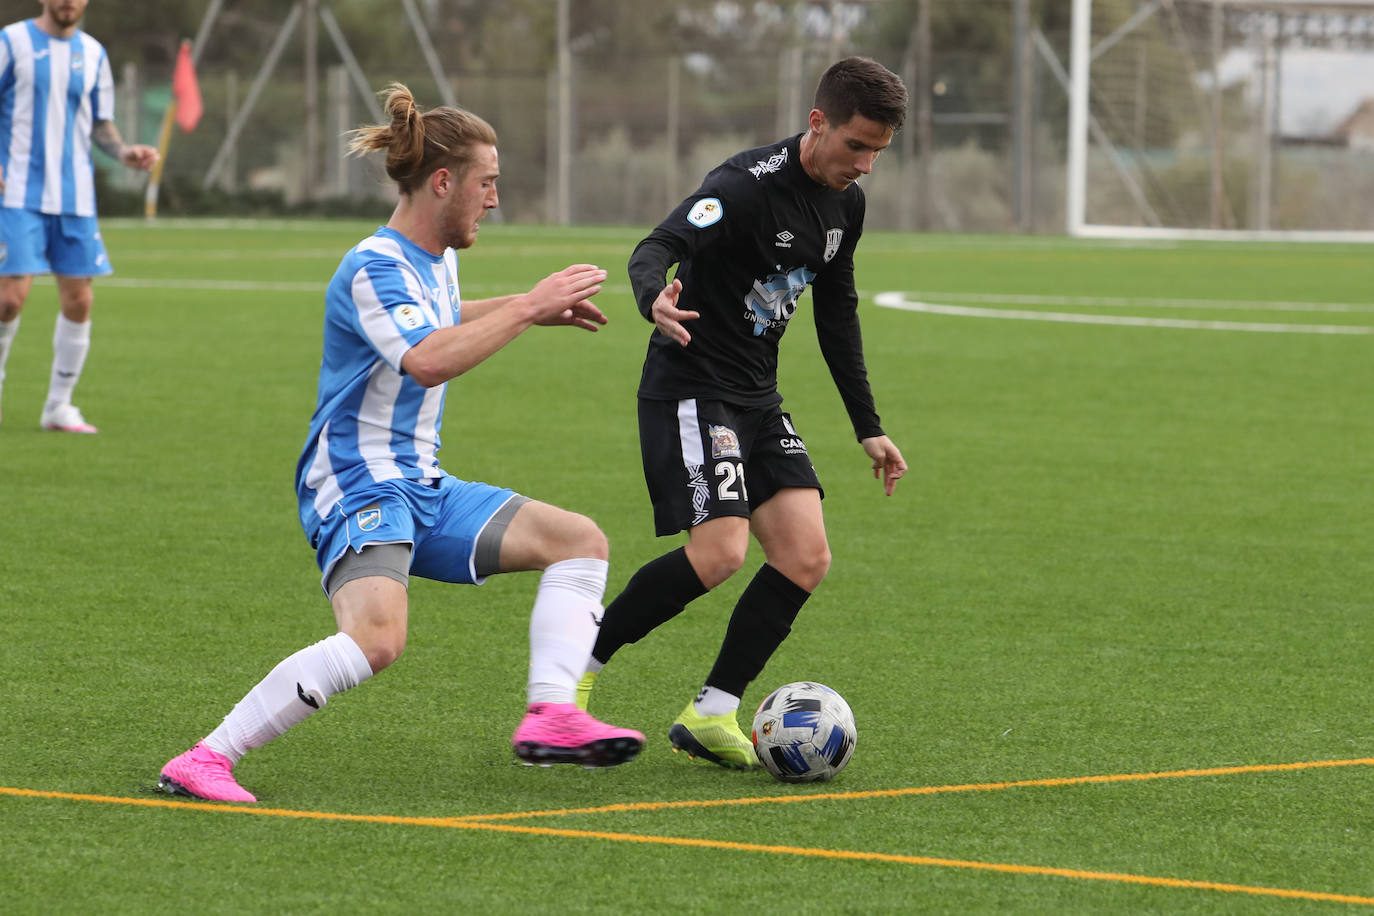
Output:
x=689 y=432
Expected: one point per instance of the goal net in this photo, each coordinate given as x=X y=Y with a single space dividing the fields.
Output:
x=1224 y=119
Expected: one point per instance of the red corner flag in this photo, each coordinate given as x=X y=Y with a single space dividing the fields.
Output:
x=186 y=90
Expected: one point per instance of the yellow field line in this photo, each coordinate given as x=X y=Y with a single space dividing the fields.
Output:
x=929 y=790
x=484 y=822
x=860 y=856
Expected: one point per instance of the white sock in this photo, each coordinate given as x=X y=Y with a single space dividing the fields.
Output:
x=712 y=701
x=7 y=331
x=563 y=625
x=71 y=341
x=297 y=687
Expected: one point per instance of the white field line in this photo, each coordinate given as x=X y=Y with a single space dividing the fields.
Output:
x=333 y=254
x=899 y=300
x=266 y=225
x=895 y=300
x=236 y=254
x=254 y=286
x=271 y=286
x=1250 y=305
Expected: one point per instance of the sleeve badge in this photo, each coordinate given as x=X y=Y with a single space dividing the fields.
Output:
x=705 y=212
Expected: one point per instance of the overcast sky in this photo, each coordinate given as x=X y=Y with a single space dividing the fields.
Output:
x=1320 y=88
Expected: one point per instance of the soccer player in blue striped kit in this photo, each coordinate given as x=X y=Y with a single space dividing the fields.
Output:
x=56 y=99
x=374 y=502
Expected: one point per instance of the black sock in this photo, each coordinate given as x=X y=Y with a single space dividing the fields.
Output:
x=760 y=622
x=654 y=595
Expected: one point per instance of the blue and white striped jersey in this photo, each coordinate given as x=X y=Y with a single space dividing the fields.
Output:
x=372 y=422
x=52 y=91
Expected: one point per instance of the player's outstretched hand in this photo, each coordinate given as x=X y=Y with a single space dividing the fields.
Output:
x=565 y=297
x=139 y=156
x=888 y=464
x=668 y=317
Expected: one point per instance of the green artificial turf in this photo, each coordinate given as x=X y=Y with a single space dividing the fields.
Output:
x=1120 y=550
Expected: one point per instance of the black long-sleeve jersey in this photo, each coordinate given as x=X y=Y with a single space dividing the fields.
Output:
x=747 y=243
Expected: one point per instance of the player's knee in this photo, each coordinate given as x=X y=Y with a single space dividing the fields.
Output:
x=381 y=640
x=815 y=565
x=806 y=568
x=382 y=647
x=584 y=539
x=77 y=306
x=717 y=560
x=11 y=304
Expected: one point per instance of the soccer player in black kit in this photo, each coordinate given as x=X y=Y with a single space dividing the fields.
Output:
x=721 y=457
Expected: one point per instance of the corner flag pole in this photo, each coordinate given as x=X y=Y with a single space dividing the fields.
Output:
x=169 y=117
x=155 y=179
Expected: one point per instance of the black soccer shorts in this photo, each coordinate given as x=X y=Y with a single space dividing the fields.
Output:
x=706 y=459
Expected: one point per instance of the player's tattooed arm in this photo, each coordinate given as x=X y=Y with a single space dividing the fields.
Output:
x=106 y=137
x=135 y=155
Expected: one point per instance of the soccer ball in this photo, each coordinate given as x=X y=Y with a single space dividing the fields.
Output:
x=804 y=732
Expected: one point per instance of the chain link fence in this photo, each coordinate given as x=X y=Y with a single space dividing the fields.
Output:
x=618 y=139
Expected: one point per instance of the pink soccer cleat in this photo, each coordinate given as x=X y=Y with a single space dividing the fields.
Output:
x=561 y=733
x=66 y=418
x=203 y=773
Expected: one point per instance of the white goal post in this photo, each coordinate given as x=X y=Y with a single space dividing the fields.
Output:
x=1219 y=120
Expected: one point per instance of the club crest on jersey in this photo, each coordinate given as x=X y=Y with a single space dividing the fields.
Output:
x=832 y=243
x=369 y=517
x=769 y=165
x=724 y=442
x=706 y=212
x=407 y=317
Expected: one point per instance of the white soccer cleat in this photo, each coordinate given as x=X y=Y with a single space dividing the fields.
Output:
x=66 y=418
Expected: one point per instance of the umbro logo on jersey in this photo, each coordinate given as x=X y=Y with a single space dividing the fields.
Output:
x=767 y=166
x=784 y=239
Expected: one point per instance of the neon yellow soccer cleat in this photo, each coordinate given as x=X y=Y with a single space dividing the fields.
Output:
x=714 y=738
x=584 y=690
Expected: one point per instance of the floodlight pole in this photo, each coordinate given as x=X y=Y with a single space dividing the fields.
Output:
x=1078 y=116
x=312 y=101
x=563 y=200
x=1023 y=62
x=925 y=120
x=673 y=132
